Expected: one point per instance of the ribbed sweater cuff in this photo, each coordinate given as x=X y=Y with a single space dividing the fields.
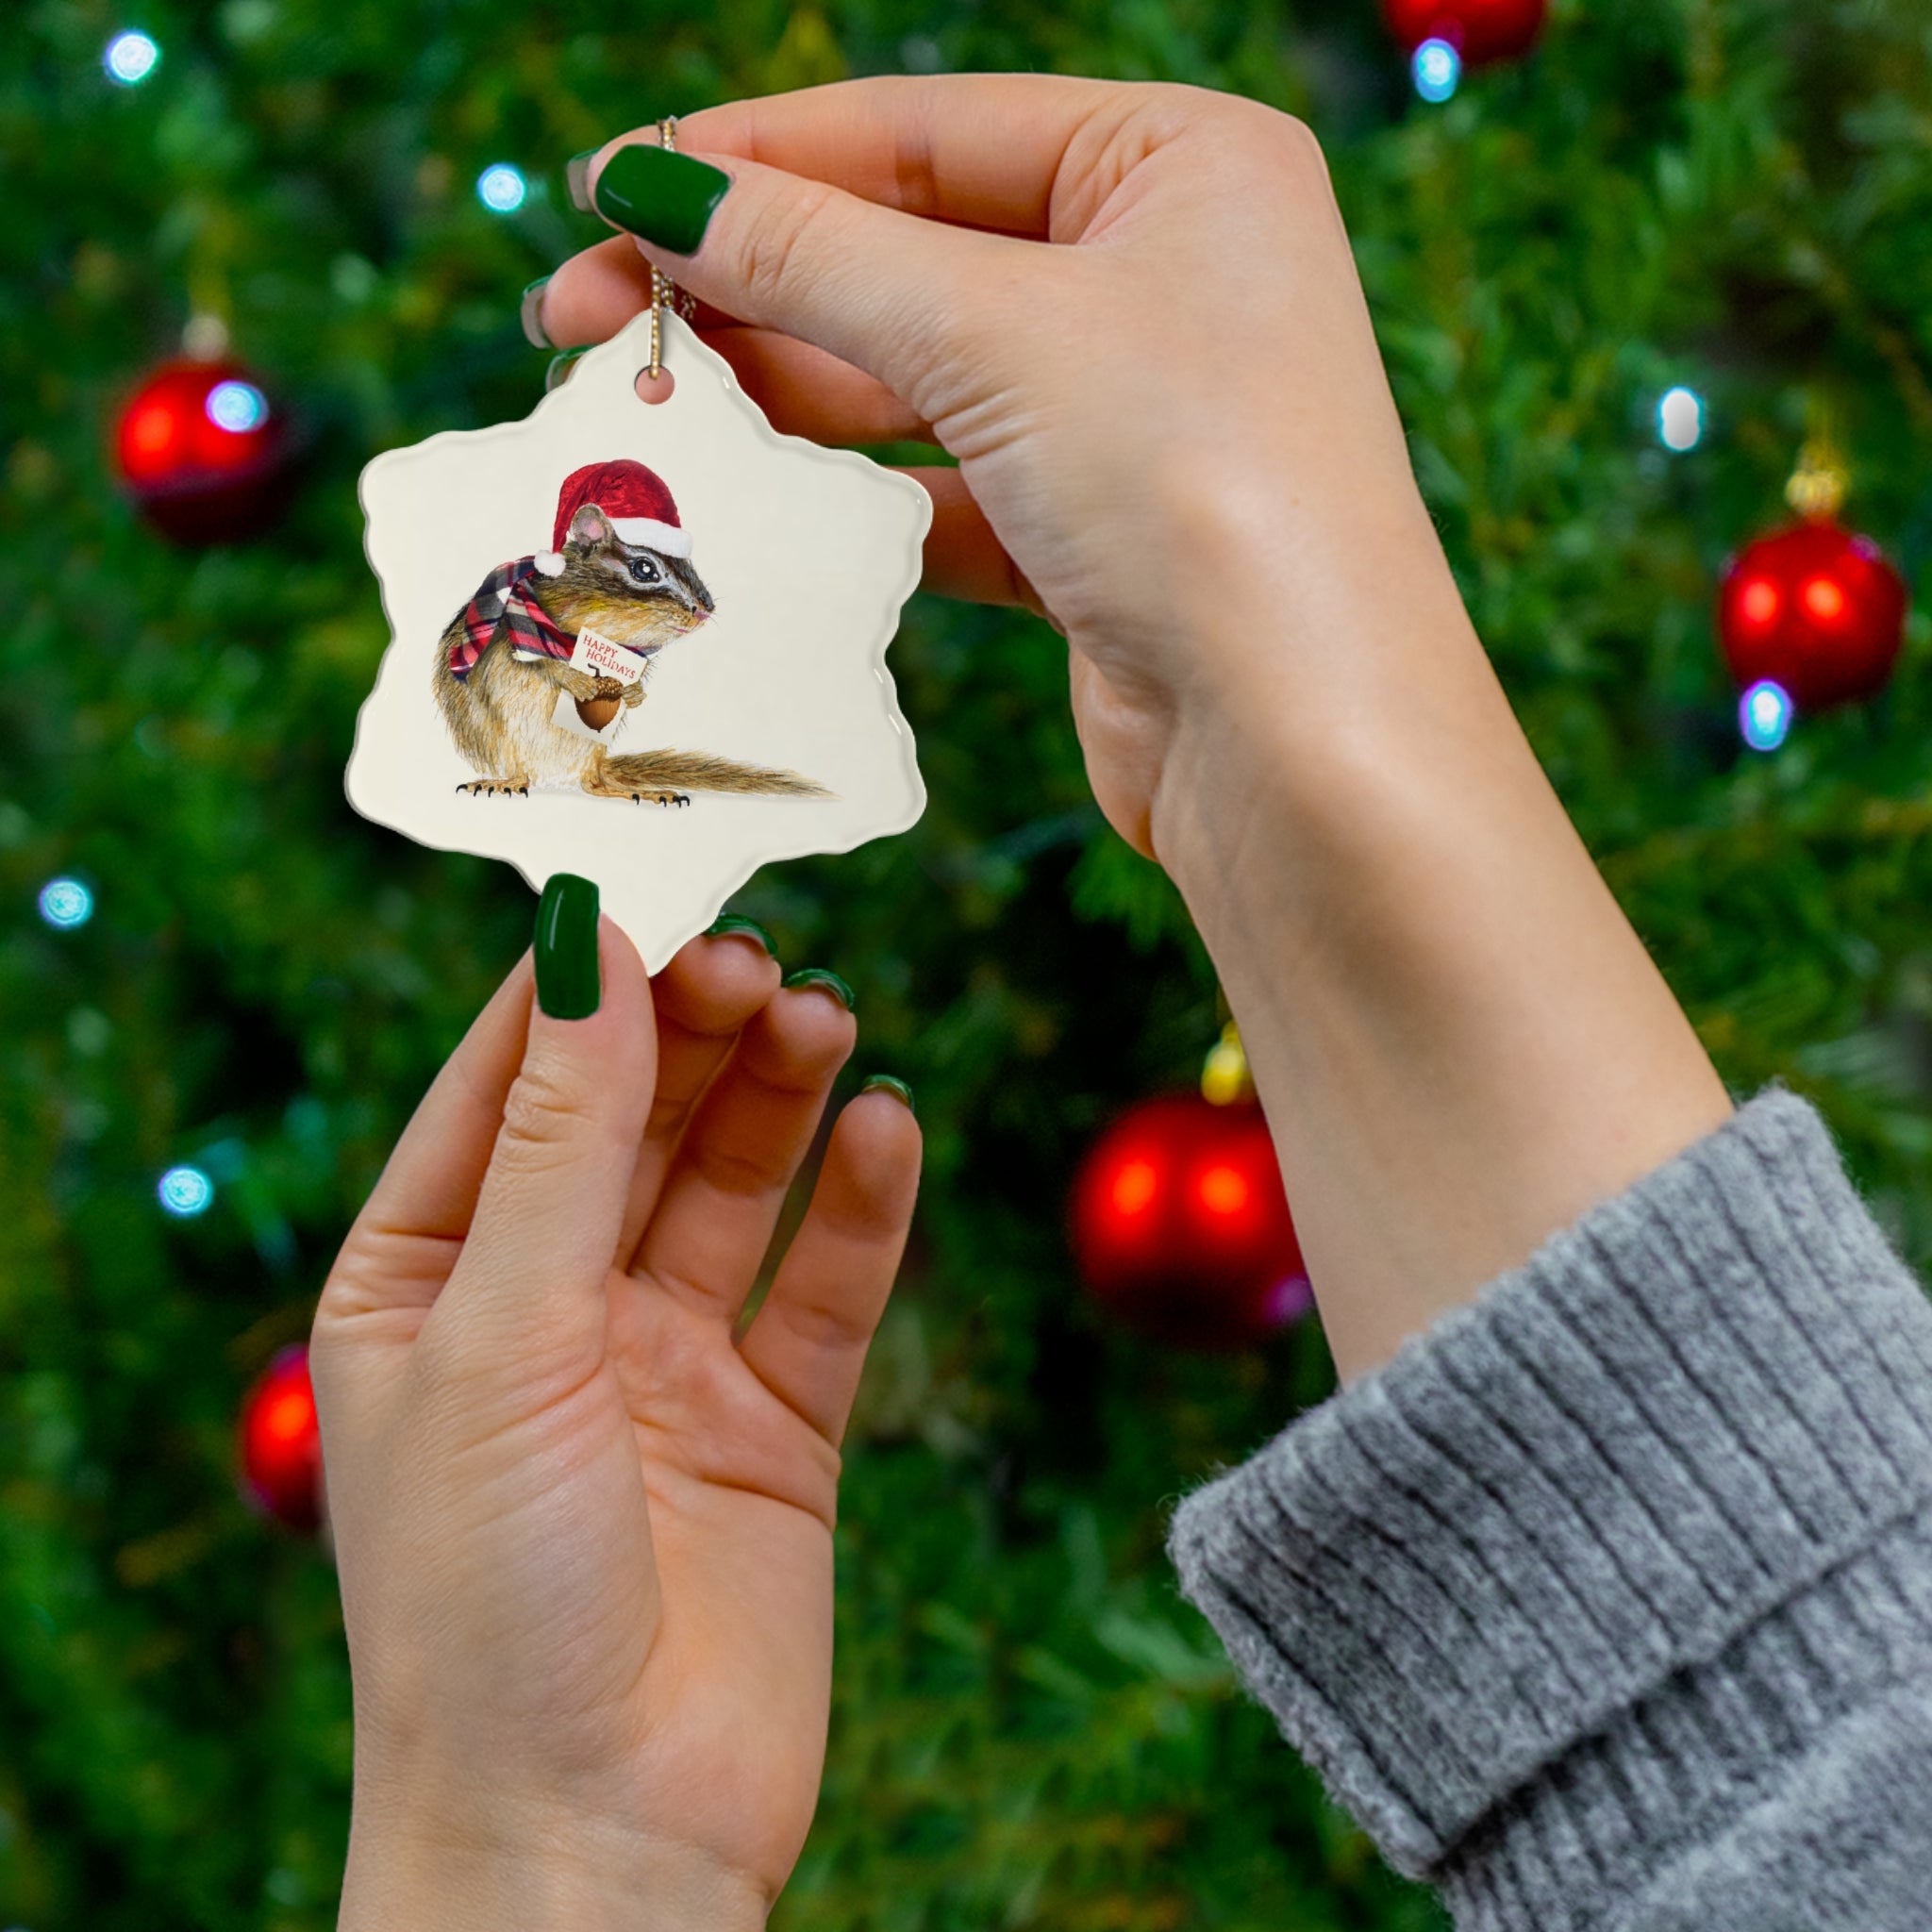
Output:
x=1515 y=1555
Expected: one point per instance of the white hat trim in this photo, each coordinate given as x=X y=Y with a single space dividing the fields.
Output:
x=667 y=540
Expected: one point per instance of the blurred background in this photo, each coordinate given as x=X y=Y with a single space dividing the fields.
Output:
x=1635 y=269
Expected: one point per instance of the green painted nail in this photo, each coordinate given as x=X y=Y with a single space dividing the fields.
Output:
x=567 y=983
x=559 y=368
x=667 y=198
x=576 y=177
x=819 y=976
x=530 y=313
x=891 y=1083
x=737 y=921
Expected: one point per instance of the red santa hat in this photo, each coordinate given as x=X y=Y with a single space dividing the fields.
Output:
x=635 y=499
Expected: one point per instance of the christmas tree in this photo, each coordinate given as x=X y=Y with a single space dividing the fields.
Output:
x=1620 y=284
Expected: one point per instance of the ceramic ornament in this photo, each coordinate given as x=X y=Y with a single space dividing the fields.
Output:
x=640 y=642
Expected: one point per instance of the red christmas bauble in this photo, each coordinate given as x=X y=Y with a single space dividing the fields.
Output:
x=1815 y=608
x=281 y=1444
x=1180 y=1225
x=1479 y=31
x=203 y=453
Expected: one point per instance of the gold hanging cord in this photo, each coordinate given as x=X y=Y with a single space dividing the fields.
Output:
x=665 y=293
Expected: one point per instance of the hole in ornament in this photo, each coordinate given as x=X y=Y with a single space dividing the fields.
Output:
x=655 y=388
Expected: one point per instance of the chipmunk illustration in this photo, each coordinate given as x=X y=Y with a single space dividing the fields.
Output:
x=619 y=567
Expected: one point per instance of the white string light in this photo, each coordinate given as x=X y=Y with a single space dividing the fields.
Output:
x=502 y=188
x=66 y=903
x=1437 y=69
x=1764 y=715
x=185 y=1192
x=1680 y=418
x=130 y=57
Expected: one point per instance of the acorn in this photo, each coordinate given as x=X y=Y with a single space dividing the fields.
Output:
x=604 y=705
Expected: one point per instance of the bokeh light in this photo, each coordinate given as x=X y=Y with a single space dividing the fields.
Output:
x=1764 y=715
x=1135 y=1187
x=1680 y=418
x=501 y=187
x=130 y=59
x=65 y=904
x=1823 y=599
x=1290 y=1297
x=1759 y=602
x=1437 y=69
x=185 y=1192
x=238 y=407
x=1222 y=1189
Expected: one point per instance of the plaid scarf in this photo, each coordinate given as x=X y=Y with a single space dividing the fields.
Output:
x=502 y=604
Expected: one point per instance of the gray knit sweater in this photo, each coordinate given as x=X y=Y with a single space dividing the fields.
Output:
x=1607 y=1605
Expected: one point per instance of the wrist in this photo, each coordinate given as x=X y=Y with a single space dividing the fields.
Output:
x=1318 y=692
x=1461 y=1042
x=536 y=1875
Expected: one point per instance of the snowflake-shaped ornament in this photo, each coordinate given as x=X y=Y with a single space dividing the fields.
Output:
x=643 y=643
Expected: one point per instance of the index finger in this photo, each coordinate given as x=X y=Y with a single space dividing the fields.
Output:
x=983 y=150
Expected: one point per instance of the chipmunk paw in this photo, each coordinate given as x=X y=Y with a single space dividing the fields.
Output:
x=661 y=797
x=496 y=788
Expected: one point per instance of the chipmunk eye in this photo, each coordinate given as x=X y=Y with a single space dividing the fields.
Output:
x=643 y=570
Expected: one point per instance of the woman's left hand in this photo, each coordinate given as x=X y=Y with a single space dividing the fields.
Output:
x=584 y=1535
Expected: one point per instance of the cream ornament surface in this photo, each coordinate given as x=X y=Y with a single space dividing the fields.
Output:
x=806 y=556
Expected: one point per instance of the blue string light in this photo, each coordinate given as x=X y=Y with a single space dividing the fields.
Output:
x=185 y=1192
x=1680 y=418
x=236 y=407
x=65 y=904
x=501 y=187
x=1764 y=715
x=1437 y=69
x=130 y=59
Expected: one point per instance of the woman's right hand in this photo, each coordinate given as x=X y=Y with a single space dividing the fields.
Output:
x=1175 y=435
x=1132 y=314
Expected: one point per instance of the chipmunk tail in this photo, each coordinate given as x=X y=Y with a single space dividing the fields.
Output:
x=699 y=770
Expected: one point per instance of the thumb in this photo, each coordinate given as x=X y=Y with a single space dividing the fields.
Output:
x=889 y=292
x=544 y=1238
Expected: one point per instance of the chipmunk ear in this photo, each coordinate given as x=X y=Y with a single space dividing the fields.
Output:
x=589 y=527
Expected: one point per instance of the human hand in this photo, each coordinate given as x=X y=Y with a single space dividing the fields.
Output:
x=1175 y=434
x=1176 y=439
x=583 y=1539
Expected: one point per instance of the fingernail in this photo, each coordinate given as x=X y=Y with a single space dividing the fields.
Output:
x=737 y=921
x=890 y=1084
x=667 y=198
x=819 y=976
x=559 y=368
x=568 y=986
x=530 y=312
x=576 y=177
